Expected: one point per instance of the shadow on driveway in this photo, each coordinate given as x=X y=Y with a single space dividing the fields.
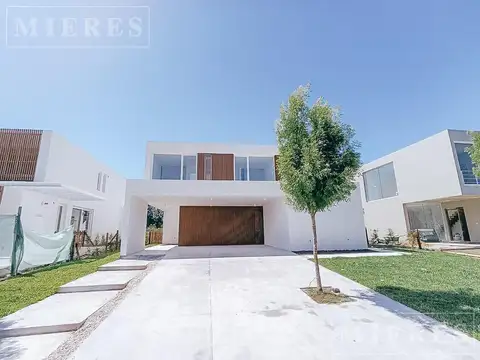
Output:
x=226 y=251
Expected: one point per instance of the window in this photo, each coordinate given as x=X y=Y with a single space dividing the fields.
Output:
x=261 y=169
x=208 y=167
x=99 y=181
x=241 y=168
x=466 y=165
x=380 y=182
x=82 y=220
x=167 y=167
x=104 y=184
x=60 y=218
x=189 y=168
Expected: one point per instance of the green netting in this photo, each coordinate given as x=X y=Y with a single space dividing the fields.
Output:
x=21 y=249
x=17 y=249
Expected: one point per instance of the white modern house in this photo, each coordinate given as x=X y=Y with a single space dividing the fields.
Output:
x=219 y=194
x=57 y=184
x=429 y=185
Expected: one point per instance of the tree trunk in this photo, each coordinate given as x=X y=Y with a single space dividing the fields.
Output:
x=419 y=242
x=315 y=255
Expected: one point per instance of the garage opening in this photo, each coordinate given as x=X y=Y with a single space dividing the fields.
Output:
x=221 y=225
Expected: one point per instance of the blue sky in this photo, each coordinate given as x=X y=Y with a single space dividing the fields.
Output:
x=218 y=70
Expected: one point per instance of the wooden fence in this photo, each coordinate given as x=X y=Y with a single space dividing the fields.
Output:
x=153 y=236
x=83 y=244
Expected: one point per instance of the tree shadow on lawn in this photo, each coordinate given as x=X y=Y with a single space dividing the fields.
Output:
x=457 y=309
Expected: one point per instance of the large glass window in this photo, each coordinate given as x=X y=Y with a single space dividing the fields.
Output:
x=167 y=167
x=380 y=182
x=190 y=168
x=241 y=168
x=261 y=169
x=465 y=163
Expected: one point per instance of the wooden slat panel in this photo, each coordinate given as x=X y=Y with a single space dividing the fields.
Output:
x=200 y=166
x=220 y=225
x=19 y=150
x=222 y=166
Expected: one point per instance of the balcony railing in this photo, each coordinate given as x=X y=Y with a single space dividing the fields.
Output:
x=469 y=178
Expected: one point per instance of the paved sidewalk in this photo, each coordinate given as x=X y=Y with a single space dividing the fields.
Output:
x=251 y=308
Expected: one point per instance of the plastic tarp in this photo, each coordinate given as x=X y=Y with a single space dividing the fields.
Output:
x=7 y=237
x=21 y=250
x=45 y=249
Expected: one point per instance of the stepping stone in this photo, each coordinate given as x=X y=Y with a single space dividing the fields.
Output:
x=57 y=313
x=31 y=347
x=124 y=264
x=100 y=281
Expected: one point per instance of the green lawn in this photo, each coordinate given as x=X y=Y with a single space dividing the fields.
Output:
x=444 y=286
x=20 y=291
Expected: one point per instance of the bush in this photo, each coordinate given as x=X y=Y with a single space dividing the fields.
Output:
x=391 y=238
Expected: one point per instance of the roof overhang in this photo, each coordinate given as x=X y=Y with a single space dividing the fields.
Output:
x=54 y=189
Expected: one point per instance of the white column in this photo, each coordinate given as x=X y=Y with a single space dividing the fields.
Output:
x=171 y=225
x=133 y=225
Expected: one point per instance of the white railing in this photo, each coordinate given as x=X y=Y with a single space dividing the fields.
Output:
x=469 y=178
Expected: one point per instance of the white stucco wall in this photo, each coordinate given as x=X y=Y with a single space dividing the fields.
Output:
x=340 y=228
x=63 y=162
x=39 y=211
x=11 y=200
x=426 y=170
x=171 y=222
x=133 y=224
x=276 y=224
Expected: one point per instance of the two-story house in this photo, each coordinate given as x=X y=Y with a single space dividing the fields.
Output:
x=219 y=194
x=57 y=184
x=429 y=185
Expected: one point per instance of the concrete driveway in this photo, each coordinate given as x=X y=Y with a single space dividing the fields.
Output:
x=245 y=303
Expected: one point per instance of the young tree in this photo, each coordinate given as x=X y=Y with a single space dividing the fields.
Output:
x=318 y=159
x=474 y=152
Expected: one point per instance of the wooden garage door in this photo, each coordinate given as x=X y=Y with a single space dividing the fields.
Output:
x=220 y=225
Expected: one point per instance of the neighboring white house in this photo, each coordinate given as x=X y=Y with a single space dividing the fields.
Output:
x=428 y=185
x=218 y=194
x=56 y=184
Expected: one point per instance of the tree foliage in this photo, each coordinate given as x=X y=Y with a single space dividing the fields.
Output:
x=474 y=152
x=154 y=217
x=318 y=160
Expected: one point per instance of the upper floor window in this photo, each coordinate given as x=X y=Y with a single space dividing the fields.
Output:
x=167 y=167
x=207 y=167
x=466 y=164
x=104 y=184
x=241 y=168
x=99 y=181
x=189 y=168
x=380 y=182
x=261 y=168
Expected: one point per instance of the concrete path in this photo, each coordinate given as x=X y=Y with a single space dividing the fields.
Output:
x=33 y=347
x=57 y=313
x=250 y=307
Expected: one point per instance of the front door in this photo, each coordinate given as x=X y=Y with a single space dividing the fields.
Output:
x=457 y=224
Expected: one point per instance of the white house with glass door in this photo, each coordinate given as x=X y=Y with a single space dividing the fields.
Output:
x=57 y=184
x=429 y=186
x=223 y=194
